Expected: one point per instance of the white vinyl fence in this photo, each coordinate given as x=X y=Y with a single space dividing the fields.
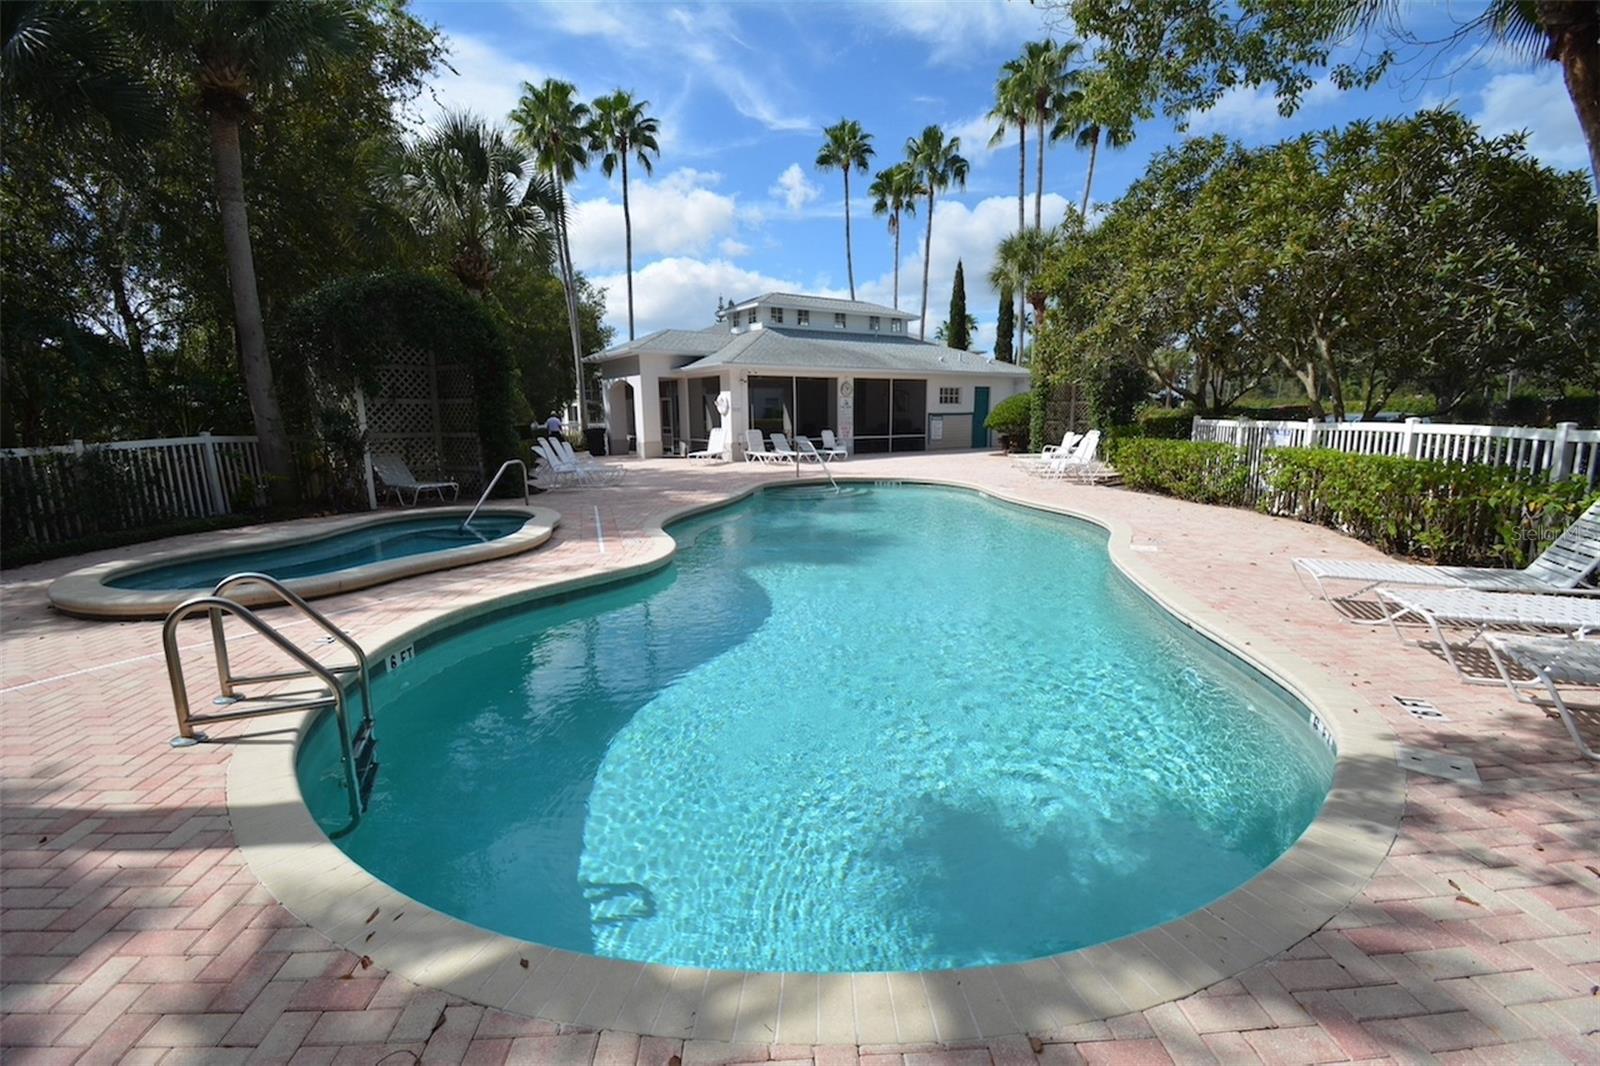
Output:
x=60 y=493
x=1562 y=452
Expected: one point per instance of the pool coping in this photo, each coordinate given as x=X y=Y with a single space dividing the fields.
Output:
x=85 y=593
x=1294 y=897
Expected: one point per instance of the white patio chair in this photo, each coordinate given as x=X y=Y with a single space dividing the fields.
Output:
x=831 y=448
x=1561 y=568
x=587 y=463
x=755 y=448
x=566 y=471
x=1479 y=611
x=397 y=477
x=1051 y=452
x=714 y=447
x=781 y=451
x=1079 y=464
x=1553 y=661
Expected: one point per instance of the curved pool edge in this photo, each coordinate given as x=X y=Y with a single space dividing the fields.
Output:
x=87 y=592
x=1314 y=880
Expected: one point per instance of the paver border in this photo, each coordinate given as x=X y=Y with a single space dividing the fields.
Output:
x=1294 y=897
x=86 y=593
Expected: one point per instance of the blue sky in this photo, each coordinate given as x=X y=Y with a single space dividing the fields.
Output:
x=742 y=90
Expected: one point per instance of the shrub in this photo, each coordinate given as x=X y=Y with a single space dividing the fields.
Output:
x=1167 y=425
x=1202 y=473
x=1115 y=393
x=1011 y=417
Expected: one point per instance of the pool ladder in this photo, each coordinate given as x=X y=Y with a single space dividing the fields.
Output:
x=507 y=465
x=358 y=751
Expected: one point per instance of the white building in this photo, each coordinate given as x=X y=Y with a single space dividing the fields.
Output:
x=796 y=365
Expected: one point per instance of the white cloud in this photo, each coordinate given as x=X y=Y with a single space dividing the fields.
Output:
x=794 y=188
x=733 y=249
x=1538 y=103
x=975 y=133
x=676 y=215
x=487 y=82
x=681 y=292
x=956 y=33
x=1242 y=110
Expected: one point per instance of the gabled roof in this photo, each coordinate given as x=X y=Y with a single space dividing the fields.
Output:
x=821 y=303
x=781 y=349
x=671 y=341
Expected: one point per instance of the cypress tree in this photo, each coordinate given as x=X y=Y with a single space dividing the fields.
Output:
x=957 y=336
x=1005 y=329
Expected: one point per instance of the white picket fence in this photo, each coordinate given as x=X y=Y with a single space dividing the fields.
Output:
x=146 y=482
x=1557 y=453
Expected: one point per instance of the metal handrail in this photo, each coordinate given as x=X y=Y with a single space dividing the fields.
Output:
x=219 y=605
x=495 y=481
x=807 y=448
x=293 y=599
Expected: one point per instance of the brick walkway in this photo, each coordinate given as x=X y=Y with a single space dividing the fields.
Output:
x=131 y=931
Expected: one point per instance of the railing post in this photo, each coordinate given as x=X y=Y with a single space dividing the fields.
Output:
x=1560 y=462
x=366 y=450
x=219 y=499
x=1311 y=432
x=1409 y=438
x=1194 y=428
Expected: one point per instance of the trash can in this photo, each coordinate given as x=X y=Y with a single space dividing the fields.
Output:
x=596 y=436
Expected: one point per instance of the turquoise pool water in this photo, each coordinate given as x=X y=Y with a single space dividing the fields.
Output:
x=900 y=728
x=356 y=547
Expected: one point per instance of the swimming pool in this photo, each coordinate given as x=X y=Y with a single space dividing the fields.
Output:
x=896 y=729
x=347 y=554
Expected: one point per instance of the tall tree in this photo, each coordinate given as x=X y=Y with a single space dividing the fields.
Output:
x=937 y=162
x=553 y=124
x=621 y=129
x=1004 y=327
x=235 y=53
x=74 y=63
x=957 y=335
x=894 y=193
x=1047 y=85
x=1019 y=262
x=465 y=185
x=1013 y=106
x=846 y=147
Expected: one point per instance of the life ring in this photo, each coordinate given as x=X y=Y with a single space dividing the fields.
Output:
x=845 y=387
x=723 y=406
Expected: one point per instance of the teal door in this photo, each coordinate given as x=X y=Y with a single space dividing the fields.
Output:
x=980 y=412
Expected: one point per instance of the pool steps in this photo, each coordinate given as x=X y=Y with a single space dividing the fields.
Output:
x=358 y=752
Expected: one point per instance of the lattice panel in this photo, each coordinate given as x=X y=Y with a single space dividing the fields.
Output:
x=458 y=416
x=425 y=414
x=455 y=382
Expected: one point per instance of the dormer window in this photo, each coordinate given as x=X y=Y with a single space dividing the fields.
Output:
x=802 y=317
x=897 y=325
x=872 y=323
x=838 y=321
x=750 y=319
x=777 y=316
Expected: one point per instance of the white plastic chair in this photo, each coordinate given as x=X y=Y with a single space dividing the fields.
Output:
x=397 y=477
x=781 y=451
x=755 y=448
x=831 y=448
x=714 y=447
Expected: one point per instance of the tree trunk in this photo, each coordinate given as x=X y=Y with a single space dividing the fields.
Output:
x=1574 y=32
x=849 y=260
x=1038 y=186
x=272 y=441
x=1088 y=182
x=1022 y=178
x=627 y=231
x=927 y=255
x=570 y=282
x=895 y=218
x=1022 y=326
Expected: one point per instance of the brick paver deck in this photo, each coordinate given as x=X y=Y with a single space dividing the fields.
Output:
x=131 y=930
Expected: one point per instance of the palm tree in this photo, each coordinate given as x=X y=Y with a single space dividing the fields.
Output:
x=894 y=192
x=1018 y=262
x=621 y=129
x=234 y=52
x=553 y=124
x=1089 y=135
x=466 y=185
x=74 y=62
x=1047 y=86
x=936 y=161
x=1012 y=108
x=846 y=146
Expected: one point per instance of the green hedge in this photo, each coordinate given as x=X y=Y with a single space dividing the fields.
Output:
x=1445 y=512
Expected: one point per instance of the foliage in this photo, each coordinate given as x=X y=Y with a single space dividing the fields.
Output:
x=1039 y=410
x=1012 y=416
x=1167 y=425
x=936 y=163
x=1358 y=260
x=846 y=147
x=335 y=337
x=1450 y=513
x=957 y=334
x=1005 y=328
x=894 y=191
x=622 y=129
x=1116 y=393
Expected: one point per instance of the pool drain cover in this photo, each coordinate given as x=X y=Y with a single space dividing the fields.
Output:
x=1418 y=708
x=1437 y=764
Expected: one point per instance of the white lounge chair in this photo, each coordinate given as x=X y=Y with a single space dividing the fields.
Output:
x=1479 y=611
x=1051 y=452
x=567 y=471
x=1079 y=464
x=1554 y=661
x=781 y=451
x=587 y=463
x=755 y=447
x=1561 y=568
x=831 y=448
x=397 y=477
x=715 y=446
